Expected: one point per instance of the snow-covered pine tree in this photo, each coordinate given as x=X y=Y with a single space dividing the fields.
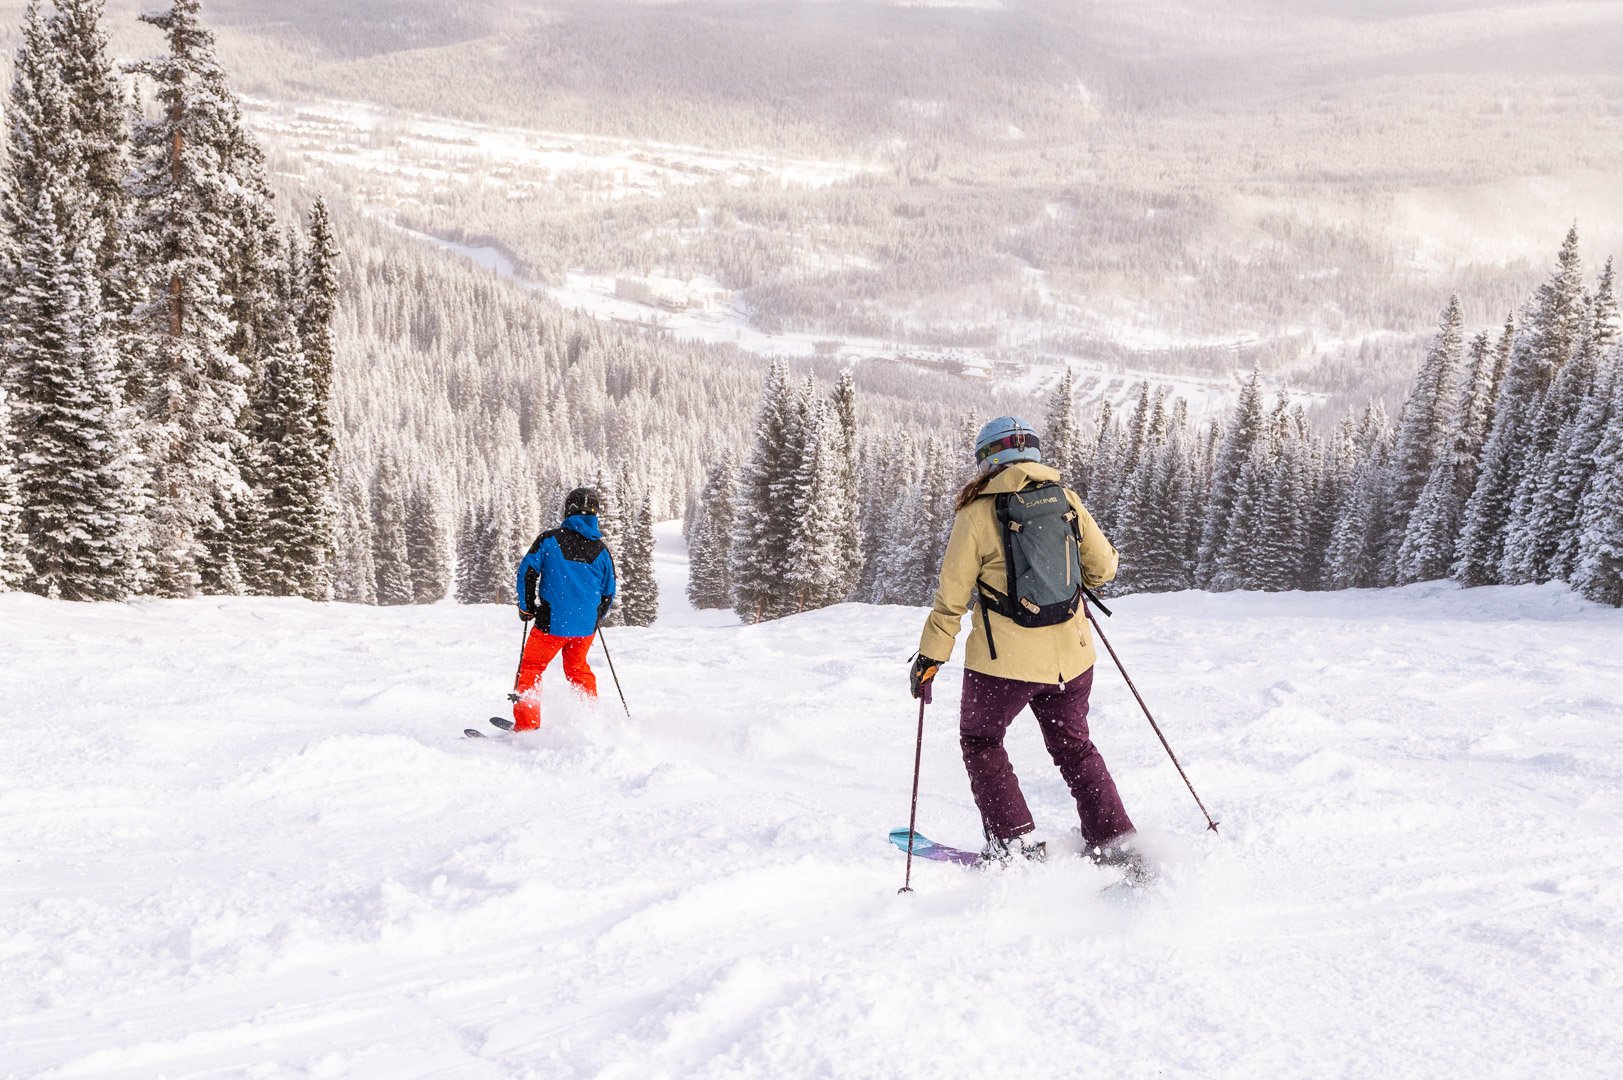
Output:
x=1598 y=557
x=899 y=578
x=710 y=540
x=1126 y=450
x=67 y=113
x=1352 y=559
x=1550 y=395
x=1198 y=484
x=1325 y=484
x=1102 y=473
x=184 y=229
x=1474 y=412
x=639 y=589
x=1172 y=553
x=1156 y=521
x=1140 y=523
x=1059 y=433
x=1423 y=431
x=1545 y=512
x=1235 y=566
x=249 y=524
x=354 y=575
x=1156 y=428
x=296 y=484
x=391 y=554
x=882 y=487
x=272 y=546
x=1558 y=507
x=1481 y=546
x=1434 y=526
x=849 y=523
x=762 y=519
x=613 y=497
x=14 y=568
x=1428 y=542
x=40 y=150
x=428 y=539
x=917 y=542
x=78 y=474
x=97 y=112
x=507 y=533
x=1138 y=429
x=1545 y=507
x=472 y=551
x=80 y=486
x=1244 y=427
x=815 y=573
x=317 y=293
x=1279 y=549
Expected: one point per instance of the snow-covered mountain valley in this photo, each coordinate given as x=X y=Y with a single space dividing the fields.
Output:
x=244 y=837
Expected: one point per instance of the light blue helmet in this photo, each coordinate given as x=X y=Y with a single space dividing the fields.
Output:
x=1004 y=440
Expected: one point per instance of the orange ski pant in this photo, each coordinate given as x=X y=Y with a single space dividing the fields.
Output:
x=538 y=653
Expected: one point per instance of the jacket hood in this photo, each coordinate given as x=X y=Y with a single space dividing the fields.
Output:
x=1020 y=474
x=585 y=524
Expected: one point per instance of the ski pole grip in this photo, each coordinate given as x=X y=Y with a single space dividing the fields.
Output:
x=1095 y=601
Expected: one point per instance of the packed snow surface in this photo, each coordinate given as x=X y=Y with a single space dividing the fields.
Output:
x=246 y=838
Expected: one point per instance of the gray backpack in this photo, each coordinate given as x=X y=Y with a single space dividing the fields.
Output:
x=1042 y=547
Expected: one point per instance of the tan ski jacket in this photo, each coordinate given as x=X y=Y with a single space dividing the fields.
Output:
x=1044 y=654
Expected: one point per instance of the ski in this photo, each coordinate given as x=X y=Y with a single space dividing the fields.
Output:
x=925 y=848
x=500 y=722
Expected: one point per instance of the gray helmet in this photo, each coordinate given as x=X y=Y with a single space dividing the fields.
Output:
x=1006 y=439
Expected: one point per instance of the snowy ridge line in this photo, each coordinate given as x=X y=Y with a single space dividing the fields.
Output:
x=256 y=844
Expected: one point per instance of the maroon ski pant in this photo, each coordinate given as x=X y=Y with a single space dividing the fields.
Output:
x=990 y=704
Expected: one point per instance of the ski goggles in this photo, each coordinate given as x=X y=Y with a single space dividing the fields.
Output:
x=1021 y=440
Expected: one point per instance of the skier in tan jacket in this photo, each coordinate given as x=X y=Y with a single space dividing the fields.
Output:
x=1029 y=643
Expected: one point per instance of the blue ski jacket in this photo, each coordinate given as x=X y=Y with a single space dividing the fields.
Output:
x=567 y=578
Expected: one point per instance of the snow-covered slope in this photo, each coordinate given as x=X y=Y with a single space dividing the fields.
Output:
x=244 y=838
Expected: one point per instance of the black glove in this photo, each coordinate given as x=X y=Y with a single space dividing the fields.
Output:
x=924 y=672
x=525 y=615
x=603 y=609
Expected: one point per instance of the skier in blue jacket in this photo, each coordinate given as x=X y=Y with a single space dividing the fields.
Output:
x=566 y=586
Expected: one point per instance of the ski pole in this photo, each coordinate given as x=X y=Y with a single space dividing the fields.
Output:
x=605 y=643
x=523 y=643
x=1210 y=824
x=913 y=814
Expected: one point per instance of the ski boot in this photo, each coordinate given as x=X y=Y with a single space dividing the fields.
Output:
x=1122 y=854
x=1003 y=852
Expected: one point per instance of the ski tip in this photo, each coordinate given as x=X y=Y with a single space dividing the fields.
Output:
x=471 y=733
x=501 y=722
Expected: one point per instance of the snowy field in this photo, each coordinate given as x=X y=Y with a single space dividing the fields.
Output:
x=245 y=838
